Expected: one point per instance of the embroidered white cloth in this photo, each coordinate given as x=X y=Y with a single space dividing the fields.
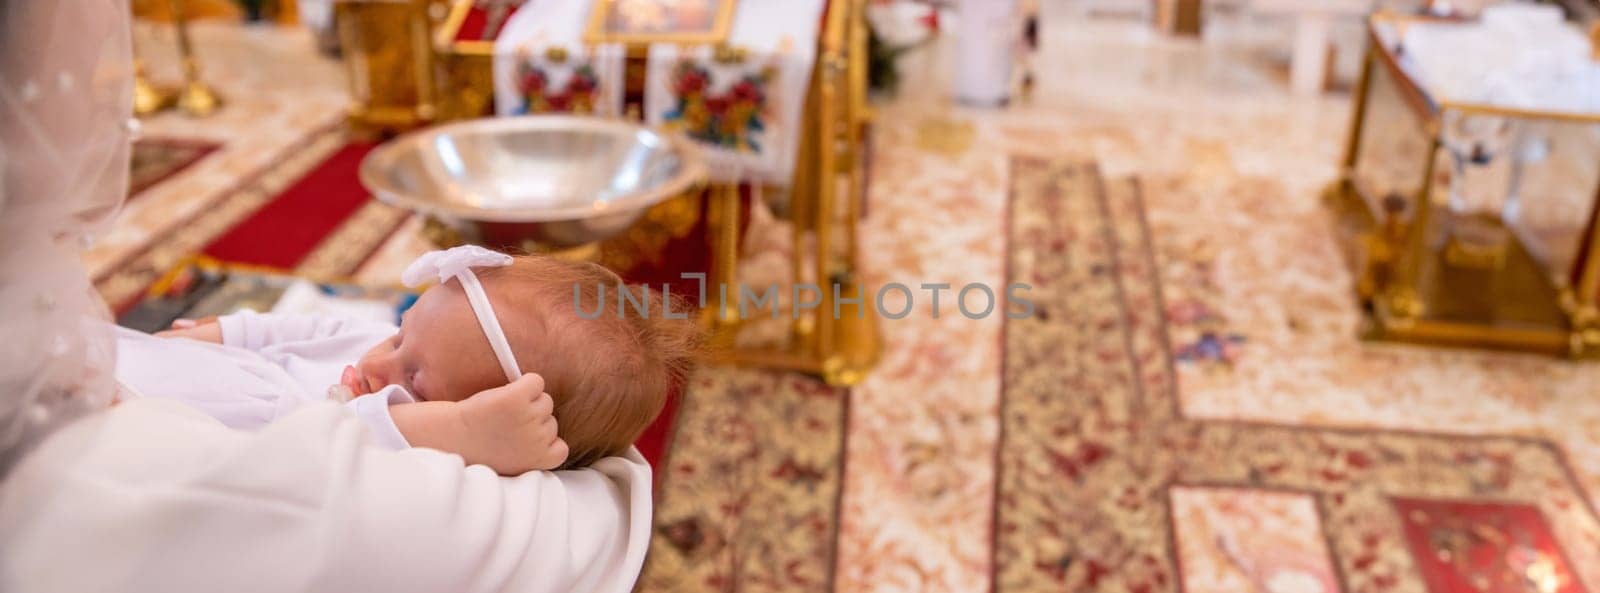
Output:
x=529 y=79
x=745 y=115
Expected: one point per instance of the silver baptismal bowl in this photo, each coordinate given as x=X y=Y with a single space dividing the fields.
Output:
x=558 y=181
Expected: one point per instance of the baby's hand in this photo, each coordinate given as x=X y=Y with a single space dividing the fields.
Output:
x=512 y=428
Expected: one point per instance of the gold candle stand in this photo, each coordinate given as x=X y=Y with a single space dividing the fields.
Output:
x=196 y=98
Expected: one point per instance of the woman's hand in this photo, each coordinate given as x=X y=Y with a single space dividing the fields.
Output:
x=511 y=429
x=205 y=329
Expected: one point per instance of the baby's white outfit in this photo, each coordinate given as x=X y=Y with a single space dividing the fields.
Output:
x=266 y=366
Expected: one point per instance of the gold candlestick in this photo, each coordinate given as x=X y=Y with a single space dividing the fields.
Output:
x=197 y=99
x=147 y=99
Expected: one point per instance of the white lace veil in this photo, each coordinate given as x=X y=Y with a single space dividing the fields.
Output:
x=65 y=108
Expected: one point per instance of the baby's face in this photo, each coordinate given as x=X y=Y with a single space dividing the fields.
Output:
x=439 y=354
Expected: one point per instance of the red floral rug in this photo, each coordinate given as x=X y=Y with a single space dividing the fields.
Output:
x=1487 y=547
x=747 y=495
x=1093 y=452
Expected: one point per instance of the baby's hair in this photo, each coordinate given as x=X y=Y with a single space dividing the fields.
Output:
x=609 y=372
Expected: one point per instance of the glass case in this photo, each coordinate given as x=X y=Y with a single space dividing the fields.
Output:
x=1469 y=184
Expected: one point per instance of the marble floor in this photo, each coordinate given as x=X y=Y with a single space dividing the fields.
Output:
x=277 y=94
x=1230 y=165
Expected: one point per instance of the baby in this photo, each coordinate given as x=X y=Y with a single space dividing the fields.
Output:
x=455 y=376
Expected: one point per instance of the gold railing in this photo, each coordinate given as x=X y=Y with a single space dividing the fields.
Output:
x=827 y=198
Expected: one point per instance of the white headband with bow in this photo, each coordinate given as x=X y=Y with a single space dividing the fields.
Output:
x=457 y=262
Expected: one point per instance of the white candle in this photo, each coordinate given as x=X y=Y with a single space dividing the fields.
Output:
x=986 y=46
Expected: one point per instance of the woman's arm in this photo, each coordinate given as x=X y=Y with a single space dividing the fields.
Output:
x=317 y=507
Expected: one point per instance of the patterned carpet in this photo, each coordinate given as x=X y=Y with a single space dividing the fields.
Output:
x=155 y=159
x=749 y=498
x=305 y=213
x=1103 y=485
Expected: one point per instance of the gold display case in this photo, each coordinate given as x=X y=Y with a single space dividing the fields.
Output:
x=1468 y=224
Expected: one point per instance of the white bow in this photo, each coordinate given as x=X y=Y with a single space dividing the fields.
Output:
x=458 y=262
x=441 y=266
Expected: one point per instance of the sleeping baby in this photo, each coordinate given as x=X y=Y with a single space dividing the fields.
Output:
x=444 y=379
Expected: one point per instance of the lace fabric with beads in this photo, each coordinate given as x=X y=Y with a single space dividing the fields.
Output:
x=65 y=133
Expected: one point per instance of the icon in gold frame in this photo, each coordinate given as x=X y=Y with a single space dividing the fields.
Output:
x=660 y=21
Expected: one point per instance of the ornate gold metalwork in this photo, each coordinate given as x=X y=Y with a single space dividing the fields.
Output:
x=721 y=315
x=824 y=207
x=465 y=68
x=644 y=244
x=439 y=233
x=390 y=63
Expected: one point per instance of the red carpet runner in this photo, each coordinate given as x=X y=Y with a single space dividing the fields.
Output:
x=283 y=232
